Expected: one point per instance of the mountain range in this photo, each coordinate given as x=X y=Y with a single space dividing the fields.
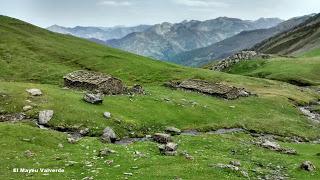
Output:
x=229 y=46
x=163 y=41
x=98 y=33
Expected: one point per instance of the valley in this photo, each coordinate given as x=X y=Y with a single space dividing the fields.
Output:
x=260 y=135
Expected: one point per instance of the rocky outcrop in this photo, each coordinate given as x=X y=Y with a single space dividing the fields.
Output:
x=238 y=57
x=214 y=89
x=95 y=82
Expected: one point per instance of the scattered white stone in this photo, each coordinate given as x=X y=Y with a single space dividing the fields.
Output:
x=128 y=174
x=34 y=92
x=60 y=145
x=27 y=108
x=107 y=115
x=45 y=116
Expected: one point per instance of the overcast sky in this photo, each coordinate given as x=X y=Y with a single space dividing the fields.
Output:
x=133 y=12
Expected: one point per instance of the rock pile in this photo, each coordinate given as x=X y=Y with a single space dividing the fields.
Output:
x=214 y=89
x=238 y=57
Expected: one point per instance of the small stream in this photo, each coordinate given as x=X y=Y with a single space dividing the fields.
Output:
x=313 y=116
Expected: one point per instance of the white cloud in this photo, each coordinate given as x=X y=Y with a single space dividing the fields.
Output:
x=114 y=3
x=201 y=3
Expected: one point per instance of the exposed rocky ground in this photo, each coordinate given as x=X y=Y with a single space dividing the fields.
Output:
x=237 y=58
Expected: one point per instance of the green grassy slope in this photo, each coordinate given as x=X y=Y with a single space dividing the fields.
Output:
x=31 y=57
x=300 y=71
x=80 y=160
x=296 y=41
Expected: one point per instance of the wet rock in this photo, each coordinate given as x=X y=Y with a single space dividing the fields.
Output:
x=307 y=166
x=213 y=89
x=173 y=131
x=226 y=131
x=191 y=132
x=34 y=92
x=93 y=98
x=312 y=115
x=108 y=136
x=94 y=82
x=107 y=115
x=106 y=152
x=27 y=108
x=45 y=116
x=162 y=138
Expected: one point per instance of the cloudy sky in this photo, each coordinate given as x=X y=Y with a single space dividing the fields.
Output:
x=132 y=12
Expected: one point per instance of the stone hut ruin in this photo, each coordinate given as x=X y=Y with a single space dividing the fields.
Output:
x=213 y=89
x=94 y=82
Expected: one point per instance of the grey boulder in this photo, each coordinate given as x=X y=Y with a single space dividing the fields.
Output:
x=93 y=98
x=34 y=92
x=45 y=116
x=108 y=136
